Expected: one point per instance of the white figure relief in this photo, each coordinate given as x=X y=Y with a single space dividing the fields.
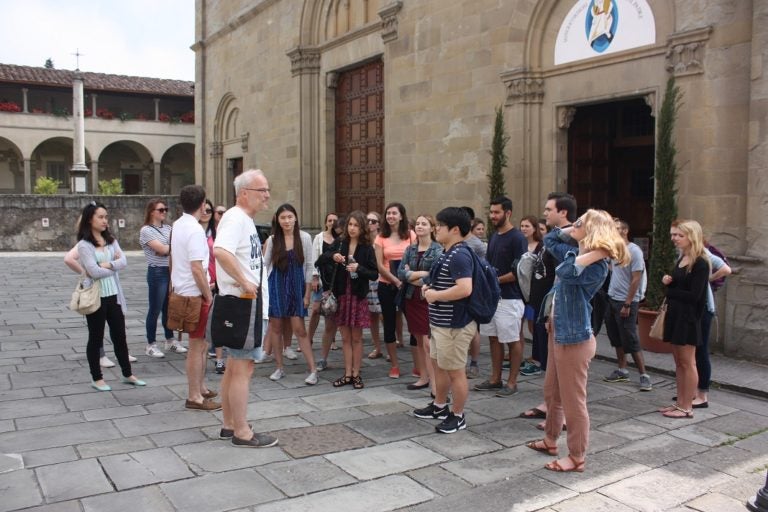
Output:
x=602 y=19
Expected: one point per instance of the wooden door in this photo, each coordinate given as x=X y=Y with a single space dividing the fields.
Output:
x=360 y=139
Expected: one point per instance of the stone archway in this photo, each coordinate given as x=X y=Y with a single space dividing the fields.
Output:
x=177 y=168
x=130 y=162
x=53 y=158
x=11 y=168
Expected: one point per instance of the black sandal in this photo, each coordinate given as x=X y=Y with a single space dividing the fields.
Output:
x=342 y=381
x=357 y=382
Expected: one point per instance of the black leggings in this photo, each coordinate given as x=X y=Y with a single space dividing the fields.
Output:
x=387 y=294
x=111 y=313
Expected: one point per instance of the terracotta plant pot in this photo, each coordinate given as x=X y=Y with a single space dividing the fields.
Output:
x=645 y=318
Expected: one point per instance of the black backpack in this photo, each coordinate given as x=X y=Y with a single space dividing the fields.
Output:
x=486 y=292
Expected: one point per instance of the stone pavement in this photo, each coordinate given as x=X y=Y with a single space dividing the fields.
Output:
x=70 y=448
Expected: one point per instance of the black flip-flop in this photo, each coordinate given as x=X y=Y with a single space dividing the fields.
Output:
x=537 y=414
x=413 y=386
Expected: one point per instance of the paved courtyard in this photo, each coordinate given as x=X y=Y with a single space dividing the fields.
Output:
x=69 y=448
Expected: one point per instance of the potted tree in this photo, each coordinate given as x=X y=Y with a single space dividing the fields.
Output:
x=496 y=184
x=663 y=254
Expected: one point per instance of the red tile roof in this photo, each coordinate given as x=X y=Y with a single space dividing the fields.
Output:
x=11 y=73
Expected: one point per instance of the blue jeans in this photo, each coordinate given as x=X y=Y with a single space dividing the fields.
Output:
x=158 y=279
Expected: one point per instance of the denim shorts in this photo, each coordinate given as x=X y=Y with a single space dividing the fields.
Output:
x=254 y=353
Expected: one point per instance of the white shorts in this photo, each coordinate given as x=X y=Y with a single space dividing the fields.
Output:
x=506 y=322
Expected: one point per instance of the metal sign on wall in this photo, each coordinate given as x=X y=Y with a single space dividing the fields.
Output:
x=599 y=27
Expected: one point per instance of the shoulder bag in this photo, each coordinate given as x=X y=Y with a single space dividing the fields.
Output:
x=183 y=312
x=328 y=304
x=657 y=328
x=85 y=299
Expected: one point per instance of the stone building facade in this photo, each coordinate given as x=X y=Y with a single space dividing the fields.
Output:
x=354 y=103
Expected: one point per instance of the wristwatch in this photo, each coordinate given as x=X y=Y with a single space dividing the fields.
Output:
x=626 y=306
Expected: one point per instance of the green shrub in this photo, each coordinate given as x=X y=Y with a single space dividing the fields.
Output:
x=46 y=186
x=111 y=187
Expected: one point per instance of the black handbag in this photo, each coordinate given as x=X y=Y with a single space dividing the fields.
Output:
x=235 y=322
x=328 y=304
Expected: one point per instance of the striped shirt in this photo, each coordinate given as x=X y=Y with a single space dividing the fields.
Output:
x=454 y=264
x=161 y=234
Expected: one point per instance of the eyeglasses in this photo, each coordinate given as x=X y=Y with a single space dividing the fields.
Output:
x=220 y=212
x=373 y=221
x=262 y=190
x=208 y=211
x=161 y=210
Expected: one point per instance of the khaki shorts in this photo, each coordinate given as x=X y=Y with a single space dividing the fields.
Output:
x=450 y=345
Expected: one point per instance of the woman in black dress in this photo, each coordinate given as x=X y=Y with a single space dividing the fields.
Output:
x=686 y=302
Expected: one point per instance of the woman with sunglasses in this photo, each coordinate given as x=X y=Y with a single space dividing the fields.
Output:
x=321 y=284
x=155 y=241
x=208 y=222
x=374 y=306
x=571 y=341
x=102 y=258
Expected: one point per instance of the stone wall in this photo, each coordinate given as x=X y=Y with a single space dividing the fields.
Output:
x=22 y=227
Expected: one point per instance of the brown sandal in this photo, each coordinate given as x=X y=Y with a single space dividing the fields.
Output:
x=678 y=413
x=357 y=382
x=540 y=445
x=375 y=355
x=342 y=381
x=578 y=467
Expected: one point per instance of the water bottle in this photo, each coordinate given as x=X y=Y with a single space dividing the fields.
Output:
x=351 y=260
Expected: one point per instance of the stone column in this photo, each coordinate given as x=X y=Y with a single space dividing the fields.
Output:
x=305 y=64
x=157 y=109
x=79 y=171
x=27 y=176
x=94 y=176
x=25 y=107
x=156 y=175
x=93 y=105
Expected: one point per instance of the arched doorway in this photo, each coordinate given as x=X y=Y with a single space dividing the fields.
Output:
x=611 y=160
x=53 y=158
x=11 y=168
x=130 y=162
x=177 y=168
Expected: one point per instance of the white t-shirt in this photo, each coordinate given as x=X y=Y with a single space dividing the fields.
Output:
x=188 y=244
x=237 y=234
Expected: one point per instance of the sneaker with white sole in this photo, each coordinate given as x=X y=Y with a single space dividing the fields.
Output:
x=105 y=362
x=432 y=412
x=265 y=358
x=220 y=367
x=288 y=353
x=153 y=351
x=311 y=379
x=645 y=383
x=277 y=374
x=451 y=424
x=177 y=347
x=131 y=359
x=322 y=365
x=617 y=376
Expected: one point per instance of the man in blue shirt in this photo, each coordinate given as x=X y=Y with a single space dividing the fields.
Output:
x=505 y=247
x=449 y=320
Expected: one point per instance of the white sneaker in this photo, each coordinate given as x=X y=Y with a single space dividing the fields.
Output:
x=177 y=347
x=153 y=351
x=290 y=354
x=265 y=358
x=277 y=374
x=311 y=379
x=131 y=359
x=105 y=362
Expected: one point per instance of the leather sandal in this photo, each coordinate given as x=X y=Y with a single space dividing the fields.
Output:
x=357 y=382
x=676 y=413
x=375 y=355
x=342 y=381
x=540 y=445
x=578 y=467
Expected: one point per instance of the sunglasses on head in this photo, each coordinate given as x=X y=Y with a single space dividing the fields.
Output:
x=220 y=212
x=373 y=221
x=161 y=210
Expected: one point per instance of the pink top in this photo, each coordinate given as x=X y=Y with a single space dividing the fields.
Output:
x=392 y=251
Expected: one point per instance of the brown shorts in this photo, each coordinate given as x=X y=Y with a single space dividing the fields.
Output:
x=199 y=333
x=450 y=345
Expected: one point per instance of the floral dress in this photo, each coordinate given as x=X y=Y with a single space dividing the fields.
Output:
x=286 y=290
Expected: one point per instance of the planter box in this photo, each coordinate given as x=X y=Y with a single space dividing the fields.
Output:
x=645 y=318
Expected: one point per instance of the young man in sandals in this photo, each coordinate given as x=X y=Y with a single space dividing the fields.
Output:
x=449 y=320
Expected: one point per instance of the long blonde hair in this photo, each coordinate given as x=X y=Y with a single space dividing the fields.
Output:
x=692 y=230
x=601 y=233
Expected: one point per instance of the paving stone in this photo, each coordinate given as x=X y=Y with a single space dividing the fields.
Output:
x=715 y=502
x=593 y=502
x=177 y=437
x=319 y=440
x=144 y=396
x=20 y=490
x=10 y=462
x=702 y=435
x=50 y=437
x=384 y=459
x=737 y=424
x=114 y=412
x=658 y=419
x=163 y=422
x=386 y=408
x=392 y=427
x=276 y=408
x=659 y=450
x=49 y=456
x=50 y=378
x=52 y=420
x=6 y=426
x=113 y=446
x=439 y=480
x=138 y=469
x=240 y=488
x=600 y=441
x=72 y=480
x=631 y=429
x=509 y=432
x=218 y=456
x=390 y=493
x=173 y=405
x=90 y=400
x=48 y=366
x=31 y=407
x=493 y=407
x=306 y=476
x=745 y=487
x=601 y=469
x=600 y=414
x=499 y=465
x=147 y=499
x=756 y=443
x=681 y=482
x=523 y=493
x=62 y=506
x=597 y=392
x=459 y=445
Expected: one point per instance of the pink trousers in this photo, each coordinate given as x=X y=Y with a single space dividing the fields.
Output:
x=565 y=392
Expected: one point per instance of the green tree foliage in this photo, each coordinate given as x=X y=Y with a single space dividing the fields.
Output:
x=49 y=63
x=496 y=185
x=46 y=186
x=111 y=187
x=663 y=253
